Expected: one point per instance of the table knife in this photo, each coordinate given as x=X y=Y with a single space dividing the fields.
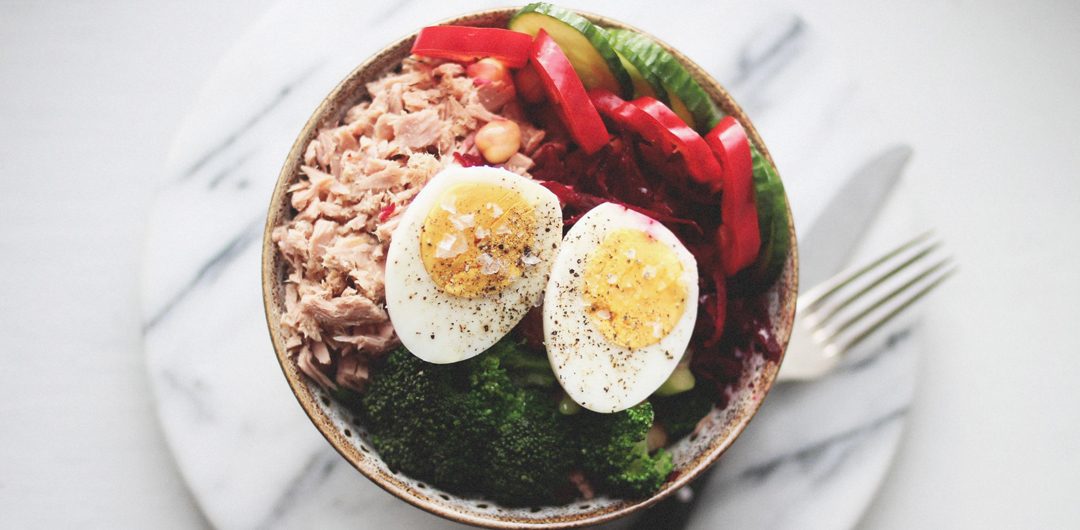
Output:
x=824 y=249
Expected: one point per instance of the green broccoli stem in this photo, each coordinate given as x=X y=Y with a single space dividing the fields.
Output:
x=680 y=380
x=567 y=406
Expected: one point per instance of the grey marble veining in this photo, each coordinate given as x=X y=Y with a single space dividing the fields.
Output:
x=812 y=458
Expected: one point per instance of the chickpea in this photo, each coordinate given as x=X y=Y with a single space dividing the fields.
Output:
x=656 y=437
x=488 y=70
x=498 y=140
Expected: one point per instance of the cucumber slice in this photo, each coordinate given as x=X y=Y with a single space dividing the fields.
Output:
x=691 y=103
x=642 y=87
x=772 y=221
x=645 y=82
x=681 y=380
x=679 y=108
x=685 y=96
x=585 y=44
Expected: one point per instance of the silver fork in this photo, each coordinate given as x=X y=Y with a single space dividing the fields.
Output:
x=832 y=318
x=842 y=312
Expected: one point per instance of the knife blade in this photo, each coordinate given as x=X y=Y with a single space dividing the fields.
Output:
x=829 y=243
x=824 y=249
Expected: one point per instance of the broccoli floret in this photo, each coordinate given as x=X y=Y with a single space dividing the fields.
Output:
x=471 y=414
x=643 y=475
x=607 y=438
x=680 y=414
x=406 y=387
x=526 y=368
x=466 y=424
x=443 y=423
x=532 y=455
x=489 y=424
x=615 y=453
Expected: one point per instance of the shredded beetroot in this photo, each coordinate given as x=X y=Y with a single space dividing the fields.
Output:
x=468 y=160
x=750 y=316
x=642 y=176
x=386 y=212
x=577 y=203
x=531 y=329
x=716 y=307
x=549 y=162
x=747 y=330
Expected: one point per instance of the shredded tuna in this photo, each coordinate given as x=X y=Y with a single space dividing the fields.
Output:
x=347 y=309
x=531 y=138
x=352 y=372
x=307 y=363
x=377 y=338
x=495 y=96
x=518 y=163
x=356 y=179
x=419 y=129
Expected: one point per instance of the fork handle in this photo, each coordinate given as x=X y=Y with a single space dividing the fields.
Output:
x=804 y=360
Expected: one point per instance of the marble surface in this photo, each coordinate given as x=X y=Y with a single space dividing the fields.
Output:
x=91 y=97
x=812 y=458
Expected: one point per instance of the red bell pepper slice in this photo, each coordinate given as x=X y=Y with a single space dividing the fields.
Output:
x=607 y=103
x=738 y=237
x=564 y=88
x=630 y=118
x=700 y=162
x=659 y=126
x=581 y=202
x=731 y=146
x=467 y=43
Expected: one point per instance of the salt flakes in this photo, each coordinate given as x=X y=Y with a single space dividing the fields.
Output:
x=450 y=246
x=488 y=264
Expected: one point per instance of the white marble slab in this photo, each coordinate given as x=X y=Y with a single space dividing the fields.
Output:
x=812 y=458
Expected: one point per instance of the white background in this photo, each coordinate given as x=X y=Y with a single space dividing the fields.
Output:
x=90 y=94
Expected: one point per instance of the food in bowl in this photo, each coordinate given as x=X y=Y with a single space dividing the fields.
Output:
x=468 y=260
x=530 y=260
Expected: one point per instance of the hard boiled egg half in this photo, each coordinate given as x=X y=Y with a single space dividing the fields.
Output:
x=470 y=257
x=619 y=308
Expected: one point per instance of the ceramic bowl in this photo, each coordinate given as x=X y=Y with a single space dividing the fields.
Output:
x=346 y=433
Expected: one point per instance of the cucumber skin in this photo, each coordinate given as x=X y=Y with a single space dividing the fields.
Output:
x=650 y=89
x=632 y=59
x=772 y=221
x=679 y=108
x=770 y=198
x=654 y=60
x=656 y=64
x=596 y=35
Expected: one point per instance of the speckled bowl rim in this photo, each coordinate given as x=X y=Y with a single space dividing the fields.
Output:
x=329 y=112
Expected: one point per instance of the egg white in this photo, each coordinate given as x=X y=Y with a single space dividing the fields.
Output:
x=597 y=374
x=442 y=328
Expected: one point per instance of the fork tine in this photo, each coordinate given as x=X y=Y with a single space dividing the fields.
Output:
x=904 y=303
x=884 y=299
x=881 y=278
x=822 y=292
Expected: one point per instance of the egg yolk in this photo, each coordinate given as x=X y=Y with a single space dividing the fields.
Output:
x=476 y=241
x=633 y=288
